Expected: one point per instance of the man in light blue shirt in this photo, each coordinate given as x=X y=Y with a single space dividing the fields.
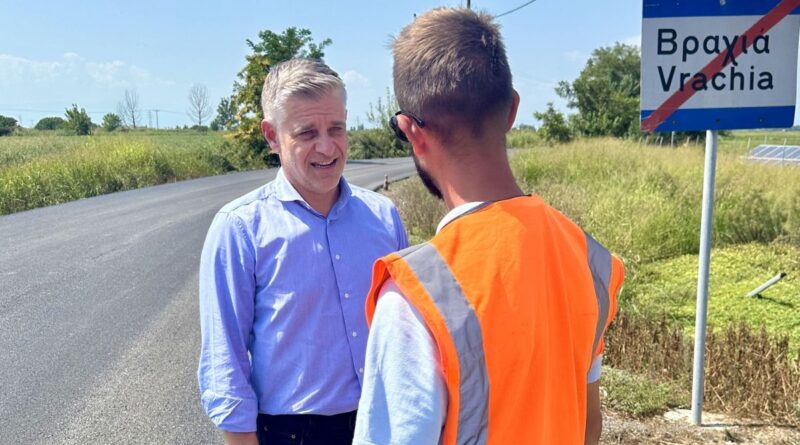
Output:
x=284 y=273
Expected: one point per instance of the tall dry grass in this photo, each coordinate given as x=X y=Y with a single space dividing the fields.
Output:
x=748 y=372
x=41 y=171
x=644 y=202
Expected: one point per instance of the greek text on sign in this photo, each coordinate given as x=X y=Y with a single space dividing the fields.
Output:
x=716 y=64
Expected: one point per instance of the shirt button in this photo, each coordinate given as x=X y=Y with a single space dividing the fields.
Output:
x=354 y=333
x=338 y=257
x=346 y=295
x=361 y=370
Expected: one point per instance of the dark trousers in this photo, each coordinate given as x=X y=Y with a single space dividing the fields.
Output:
x=306 y=429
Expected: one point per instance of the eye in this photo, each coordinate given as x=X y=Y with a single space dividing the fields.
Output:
x=307 y=135
x=336 y=131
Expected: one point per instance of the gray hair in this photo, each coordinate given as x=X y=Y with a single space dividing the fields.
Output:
x=297 y=77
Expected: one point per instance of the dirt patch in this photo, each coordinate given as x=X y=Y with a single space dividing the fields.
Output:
x=674 y=428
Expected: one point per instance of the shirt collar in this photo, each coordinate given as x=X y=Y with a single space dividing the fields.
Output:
x=456 y=212
x=285 y=191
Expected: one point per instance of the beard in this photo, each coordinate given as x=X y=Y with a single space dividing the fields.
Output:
x=426 y=178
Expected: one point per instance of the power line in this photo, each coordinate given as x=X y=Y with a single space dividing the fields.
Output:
x=514 y=10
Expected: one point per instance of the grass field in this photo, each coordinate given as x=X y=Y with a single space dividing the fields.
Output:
x=40 y=169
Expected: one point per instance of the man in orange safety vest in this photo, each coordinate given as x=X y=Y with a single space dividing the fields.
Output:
x=491 y=332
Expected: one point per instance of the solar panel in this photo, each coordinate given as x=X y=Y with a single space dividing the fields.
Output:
x=788 y=154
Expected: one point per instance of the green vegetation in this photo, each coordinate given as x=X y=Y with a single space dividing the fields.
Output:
x=7 y=125
x=523 y=137
x=269 y=50
x=38 y=170
x=111 y=122
x=78 y=122
x=606 y=93
x=554 y=125
x=50 y=123
x=644 y=202
x=670 y=286
x=638 y=395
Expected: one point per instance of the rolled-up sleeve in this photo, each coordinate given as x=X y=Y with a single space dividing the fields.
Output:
x=402 y=236
x=227 y=301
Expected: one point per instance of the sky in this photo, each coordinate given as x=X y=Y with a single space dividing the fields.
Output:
x=56 y=53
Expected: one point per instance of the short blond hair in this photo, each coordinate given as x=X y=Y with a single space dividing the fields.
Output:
x=450 y=69
x=297 y=77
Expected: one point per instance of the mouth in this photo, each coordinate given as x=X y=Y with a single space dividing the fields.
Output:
x=325 y=165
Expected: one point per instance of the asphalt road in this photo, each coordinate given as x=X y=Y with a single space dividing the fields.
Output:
x=99 y=331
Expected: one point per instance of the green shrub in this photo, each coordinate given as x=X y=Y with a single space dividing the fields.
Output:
x=376 y=143
x=7 y=125
x=111 y=122
x=78 y=121
x=637 y=395
x=50 y=123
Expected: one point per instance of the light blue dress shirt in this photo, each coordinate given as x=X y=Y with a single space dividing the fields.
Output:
x=282 y=291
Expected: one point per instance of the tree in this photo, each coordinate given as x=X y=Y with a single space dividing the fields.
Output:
x=380 y=141
x=226 y=115
x=7 y=125
x=199 y=105
x=606 y=93
x=50 y=123
x=111 y=122
x=554 y=126
x=78 y=121
x=271 y=49
x=128 y=110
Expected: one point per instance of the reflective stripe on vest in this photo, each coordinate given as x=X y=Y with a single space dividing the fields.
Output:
x=465 y=330
x=600 y=265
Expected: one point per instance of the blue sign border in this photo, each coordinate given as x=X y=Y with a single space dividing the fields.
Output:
x=653 y=9
x=697 y=119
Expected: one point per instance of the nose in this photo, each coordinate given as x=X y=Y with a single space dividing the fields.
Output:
x=326 y=145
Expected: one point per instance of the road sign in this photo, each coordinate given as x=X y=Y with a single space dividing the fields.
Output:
x=719 y=64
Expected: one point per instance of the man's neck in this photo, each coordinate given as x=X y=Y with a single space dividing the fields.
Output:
x=483 y=177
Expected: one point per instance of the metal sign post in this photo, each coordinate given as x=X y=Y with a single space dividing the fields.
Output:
x=713 y=65
x=706 y=225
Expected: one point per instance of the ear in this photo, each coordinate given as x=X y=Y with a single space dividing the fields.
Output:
x=271 y=135
x=418 y=138
x=512 y=113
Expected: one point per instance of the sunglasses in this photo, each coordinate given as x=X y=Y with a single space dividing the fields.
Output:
x=397 y=131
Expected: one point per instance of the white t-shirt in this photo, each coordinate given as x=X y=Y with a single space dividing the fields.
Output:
x=404 y=397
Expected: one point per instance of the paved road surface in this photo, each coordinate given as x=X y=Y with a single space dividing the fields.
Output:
x=99 y=330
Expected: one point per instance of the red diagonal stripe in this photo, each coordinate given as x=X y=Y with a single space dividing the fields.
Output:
x=675 y=101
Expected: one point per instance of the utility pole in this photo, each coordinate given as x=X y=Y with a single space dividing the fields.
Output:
x=156 y=111
x=149 y=118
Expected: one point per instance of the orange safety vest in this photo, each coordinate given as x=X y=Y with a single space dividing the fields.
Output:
x=517 y=298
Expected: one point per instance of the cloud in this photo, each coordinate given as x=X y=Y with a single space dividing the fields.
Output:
x=74 y=69
x=353 y=78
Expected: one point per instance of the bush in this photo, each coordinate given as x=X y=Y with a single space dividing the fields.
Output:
x=50 y=123
x=78 y=122
x=111 y=122
x=376 y=143
x=7 y=125
x=554 y=126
